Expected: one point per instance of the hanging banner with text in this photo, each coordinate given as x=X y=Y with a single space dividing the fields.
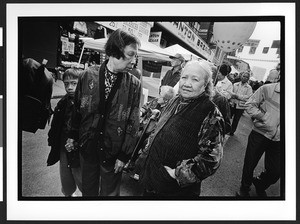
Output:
x=186 y=34
x=139 y=29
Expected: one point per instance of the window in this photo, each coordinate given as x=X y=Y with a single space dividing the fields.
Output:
x=240 y=49
x=265 y=50
x=252 y=50
x=276 y=44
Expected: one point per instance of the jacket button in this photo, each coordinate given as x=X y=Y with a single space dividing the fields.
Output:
x=101 y=149
x=101 y=133
x=104 y=161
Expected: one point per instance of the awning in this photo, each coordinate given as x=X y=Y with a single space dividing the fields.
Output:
x=147 y=50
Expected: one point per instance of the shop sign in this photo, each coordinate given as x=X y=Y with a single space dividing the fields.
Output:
x=155 y=37
x=186 y=34
x=67 y=46
x=139 y=29
x=64 y=45
x=80 y=26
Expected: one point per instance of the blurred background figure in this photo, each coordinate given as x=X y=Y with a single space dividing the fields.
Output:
x=223 y=84
x=166 y=93
x=241 y=93
x=273 y=76
x=35 y=95
x=172 y=76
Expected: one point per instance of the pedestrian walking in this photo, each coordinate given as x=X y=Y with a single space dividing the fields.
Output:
x=187 y=144
x=241 y=93
x=105 y=121
x=172 y=76
x=69 y=165
x=264 y=107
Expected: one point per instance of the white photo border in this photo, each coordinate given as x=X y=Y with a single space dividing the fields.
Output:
x=149 y=210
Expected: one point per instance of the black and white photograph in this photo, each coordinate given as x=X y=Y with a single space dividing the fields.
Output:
x=166 y=113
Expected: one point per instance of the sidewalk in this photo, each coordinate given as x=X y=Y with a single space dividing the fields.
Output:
x=58 y=89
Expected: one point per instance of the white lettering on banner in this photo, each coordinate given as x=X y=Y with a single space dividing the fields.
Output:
x=139 y=29
x=185 y=33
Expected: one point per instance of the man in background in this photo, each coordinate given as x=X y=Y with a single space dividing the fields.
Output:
x=172 y=76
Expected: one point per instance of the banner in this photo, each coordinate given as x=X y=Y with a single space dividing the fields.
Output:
x=186 y=34
x=139 y=29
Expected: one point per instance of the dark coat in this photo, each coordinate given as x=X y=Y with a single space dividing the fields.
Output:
x=171 y=79
x=35 y=94
x=57 y=136
x=118 y=134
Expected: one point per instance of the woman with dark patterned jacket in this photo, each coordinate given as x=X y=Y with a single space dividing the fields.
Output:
x=187 y=144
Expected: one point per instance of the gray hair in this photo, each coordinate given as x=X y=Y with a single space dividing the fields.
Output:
x=274 y=76
x=205 y=65
x=167 y=92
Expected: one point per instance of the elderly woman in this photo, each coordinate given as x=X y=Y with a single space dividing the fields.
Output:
x=187 y=144
x=166 y=93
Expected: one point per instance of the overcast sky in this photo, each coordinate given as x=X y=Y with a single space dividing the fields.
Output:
x=266 y=31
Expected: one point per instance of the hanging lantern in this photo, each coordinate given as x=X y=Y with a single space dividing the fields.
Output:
x=229 y=36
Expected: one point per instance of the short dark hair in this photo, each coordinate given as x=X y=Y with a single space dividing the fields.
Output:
x=225 y=69
x=72 y=73
x=117 y=41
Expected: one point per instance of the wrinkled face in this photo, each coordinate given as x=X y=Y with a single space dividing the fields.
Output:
x=245 y=77
x=192 y=81
x=126 y=64
x=175 y=62
x=70 y=85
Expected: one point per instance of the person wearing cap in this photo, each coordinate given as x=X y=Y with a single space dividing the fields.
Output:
x=172 y=76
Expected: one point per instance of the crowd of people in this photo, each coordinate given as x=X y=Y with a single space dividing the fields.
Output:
x=173 y=142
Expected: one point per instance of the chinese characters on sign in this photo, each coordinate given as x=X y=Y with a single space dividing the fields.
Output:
x=139 y=29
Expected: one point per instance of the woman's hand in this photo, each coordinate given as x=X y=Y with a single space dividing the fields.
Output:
x=119 y=165
x=70 y=145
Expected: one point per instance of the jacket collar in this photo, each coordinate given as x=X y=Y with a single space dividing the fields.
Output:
x=225 y=80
